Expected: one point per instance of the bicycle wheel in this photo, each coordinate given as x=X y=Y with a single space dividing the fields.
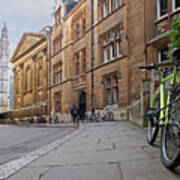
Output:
x=153 y=127
x=170 y=140
x=111 y=116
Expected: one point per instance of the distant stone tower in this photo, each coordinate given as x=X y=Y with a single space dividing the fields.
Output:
x=4 y=70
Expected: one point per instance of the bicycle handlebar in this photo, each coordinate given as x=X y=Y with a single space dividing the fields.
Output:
x=149 y=67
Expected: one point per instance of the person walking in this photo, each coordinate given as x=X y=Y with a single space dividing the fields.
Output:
x=74 y=115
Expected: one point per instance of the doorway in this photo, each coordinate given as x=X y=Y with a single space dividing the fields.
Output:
x=82 y=105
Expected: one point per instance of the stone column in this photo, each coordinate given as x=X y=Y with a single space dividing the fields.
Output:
x=34 y=90
x=22 y=84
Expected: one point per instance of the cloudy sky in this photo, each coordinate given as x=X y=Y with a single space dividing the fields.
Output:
x=24 y=15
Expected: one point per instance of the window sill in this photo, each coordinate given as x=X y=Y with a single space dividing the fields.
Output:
x=56 y=53
x=78 y=39
x=111 y=104
x=113 y=59
x=162 y=18
x=175 y=11
x=55 y=84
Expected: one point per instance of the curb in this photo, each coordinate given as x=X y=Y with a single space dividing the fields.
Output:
x=14 y=166
x=46 y=125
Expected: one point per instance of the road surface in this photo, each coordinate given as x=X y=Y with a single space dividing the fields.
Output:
x=16 y=141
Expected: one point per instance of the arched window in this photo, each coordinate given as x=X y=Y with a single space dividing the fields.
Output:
x=17 y=85
x=28 y=79
x=40 y=77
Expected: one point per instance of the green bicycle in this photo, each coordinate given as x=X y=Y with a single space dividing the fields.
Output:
x=165 y=112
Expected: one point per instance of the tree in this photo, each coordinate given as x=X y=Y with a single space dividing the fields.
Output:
x=174 y=35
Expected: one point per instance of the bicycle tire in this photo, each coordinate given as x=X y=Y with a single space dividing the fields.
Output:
x=111 y=116
x=169 y=160
x=153 y=127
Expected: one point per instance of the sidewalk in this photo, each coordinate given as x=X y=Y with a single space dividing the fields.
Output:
x=102 y=151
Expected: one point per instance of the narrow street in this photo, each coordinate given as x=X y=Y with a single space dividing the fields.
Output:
x=102 y=151
x=16 y=141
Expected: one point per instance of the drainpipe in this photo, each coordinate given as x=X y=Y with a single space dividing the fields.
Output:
x=92 y=56
x=146 y=19
x=49 y=73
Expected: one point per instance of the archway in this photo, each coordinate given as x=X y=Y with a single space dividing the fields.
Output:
x=82 y=105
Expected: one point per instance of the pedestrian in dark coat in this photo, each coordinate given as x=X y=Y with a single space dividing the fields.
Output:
x=74 y=114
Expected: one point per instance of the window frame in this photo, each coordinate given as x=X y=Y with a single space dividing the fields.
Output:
x=105 y=9
x=28 y=79
x=57 y=73
x=111 y=6
x=17 y=84
x=105 y=54
x=58 y=101
x=174 y=6
x=160 y=54
x=118 y=48
x=77 y=64
x=84 y=60
x=159 y=16
x=112 y=53
x=78 y=31
x=84 y=26
x=57 y=43
x=110 y=43
x=118 y=4
x=40 y=77
x=111 y=88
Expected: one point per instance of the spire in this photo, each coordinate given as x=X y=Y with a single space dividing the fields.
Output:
x=4 y=32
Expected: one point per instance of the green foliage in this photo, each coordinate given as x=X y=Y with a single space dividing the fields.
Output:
x=174 y=35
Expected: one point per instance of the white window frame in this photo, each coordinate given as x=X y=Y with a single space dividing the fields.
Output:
x=118 y=46
x=159 y=55
x=158 y=11
x=174 y=6
x=117 y=4
x=115 y=95
x=110 y=8
x=105 y=54
x=111 y=52
x=105 y=9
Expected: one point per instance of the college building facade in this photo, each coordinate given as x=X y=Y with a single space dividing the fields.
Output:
x=31 y=78
x=92 y=56
x=95 y=54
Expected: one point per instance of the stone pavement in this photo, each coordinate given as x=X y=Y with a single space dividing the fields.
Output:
x=102 y=151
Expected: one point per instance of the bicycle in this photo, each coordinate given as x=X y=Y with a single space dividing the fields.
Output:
x=165 y=112
x=109 y=116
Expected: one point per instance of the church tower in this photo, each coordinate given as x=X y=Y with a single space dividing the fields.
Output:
x=4 y=70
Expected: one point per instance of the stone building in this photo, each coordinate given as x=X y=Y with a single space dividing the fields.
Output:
x=30 y=61
x=96 y=49
x=159 y=25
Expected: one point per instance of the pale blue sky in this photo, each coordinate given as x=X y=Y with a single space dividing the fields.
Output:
x=24 y=16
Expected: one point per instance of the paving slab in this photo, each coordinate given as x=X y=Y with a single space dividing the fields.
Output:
x=102 y=151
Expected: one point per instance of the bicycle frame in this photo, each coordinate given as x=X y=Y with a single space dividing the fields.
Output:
x=164 y=113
